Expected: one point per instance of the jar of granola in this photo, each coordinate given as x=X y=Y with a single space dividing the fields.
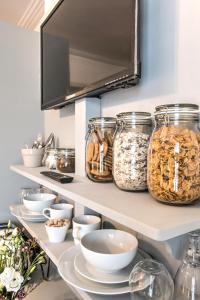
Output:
x=99 y=149
x=174 y=157
x=130 y=150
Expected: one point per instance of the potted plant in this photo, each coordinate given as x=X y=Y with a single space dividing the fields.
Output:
x=19 y=258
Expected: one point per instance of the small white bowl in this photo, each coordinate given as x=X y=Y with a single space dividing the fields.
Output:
x=32 y=157
x=109 y=250
x=37 y=202
x=56 y=234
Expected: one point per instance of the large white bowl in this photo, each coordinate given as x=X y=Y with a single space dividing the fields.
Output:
x=37 y=202
x=109 y=250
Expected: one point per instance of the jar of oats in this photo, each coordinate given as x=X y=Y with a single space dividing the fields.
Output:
x=174 y=157
x=99 y=149
x=130 y=150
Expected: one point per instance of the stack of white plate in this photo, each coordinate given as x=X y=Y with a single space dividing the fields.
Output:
x=20 y=211
x=76 y=271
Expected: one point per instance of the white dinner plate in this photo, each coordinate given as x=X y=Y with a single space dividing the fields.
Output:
x=18 y=211
x=91 y=273
x=68 y=273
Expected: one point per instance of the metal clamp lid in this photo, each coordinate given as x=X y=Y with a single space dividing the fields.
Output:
x=177 y=108
x=102 y=121
x=135 y=117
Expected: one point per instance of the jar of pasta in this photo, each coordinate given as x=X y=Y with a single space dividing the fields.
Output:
x=99 y=149
x=174 y=156
x=130 y=150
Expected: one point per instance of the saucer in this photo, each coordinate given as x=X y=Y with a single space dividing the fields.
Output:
x=93 y=274
x=28 y=212
x=20 y=212
x=68 y=273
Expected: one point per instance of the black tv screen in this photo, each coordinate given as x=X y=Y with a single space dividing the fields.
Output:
x=88 y=47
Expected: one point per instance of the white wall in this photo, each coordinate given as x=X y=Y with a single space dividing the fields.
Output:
x=189 y=50
x=20 y=116
x=62 y=124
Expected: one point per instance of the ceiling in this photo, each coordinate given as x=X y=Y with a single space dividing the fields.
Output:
x=24 y=13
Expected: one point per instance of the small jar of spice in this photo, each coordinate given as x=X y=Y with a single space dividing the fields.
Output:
x=99 y=149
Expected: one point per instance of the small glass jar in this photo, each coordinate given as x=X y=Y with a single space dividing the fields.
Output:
x=130 y=150
x=99 y=149
x=66 y=160
x=174 y=157
x=50 y=158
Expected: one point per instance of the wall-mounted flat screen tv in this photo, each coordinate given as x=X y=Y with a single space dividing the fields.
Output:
x=88 y=47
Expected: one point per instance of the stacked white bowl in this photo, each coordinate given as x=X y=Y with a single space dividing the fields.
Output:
x=109 y=250
x=37 y=202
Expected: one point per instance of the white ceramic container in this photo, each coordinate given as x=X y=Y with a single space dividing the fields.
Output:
x=109 y=250
x=37 y=202
x=84 y=224
x=56 y=234
x=59 y=211
x=32 y=157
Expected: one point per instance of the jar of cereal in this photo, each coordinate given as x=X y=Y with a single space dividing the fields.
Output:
x=173 y=158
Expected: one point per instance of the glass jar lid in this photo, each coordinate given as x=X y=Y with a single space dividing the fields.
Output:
x=134 y=117
x=51 y=151
x=178 y=107
x=179 y=111
x=103 y=122
x=66 y=152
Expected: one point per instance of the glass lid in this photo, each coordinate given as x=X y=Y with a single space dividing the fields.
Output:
x=178 y=107
x=66 y=151
x=135 y=117
x=107 y=121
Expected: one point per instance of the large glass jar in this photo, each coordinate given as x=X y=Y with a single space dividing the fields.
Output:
x=130 y=150
x=173 y=159
x=99 y=149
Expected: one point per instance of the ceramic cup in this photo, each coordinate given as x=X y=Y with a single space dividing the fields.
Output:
x=84 y=224
x=56 y=234
x=59 y=211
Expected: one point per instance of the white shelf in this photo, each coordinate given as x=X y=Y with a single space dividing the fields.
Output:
x=138 y=211
x=54 y=251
